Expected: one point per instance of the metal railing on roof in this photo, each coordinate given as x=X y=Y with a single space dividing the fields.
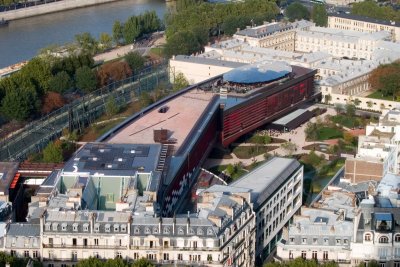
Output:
x=78 y=114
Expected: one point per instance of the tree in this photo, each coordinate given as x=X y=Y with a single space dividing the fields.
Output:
x=142 y=263
x=289 y=147
x=145 y=99
x=131 y=29
x=182 y=43
x=53 y=153
x=52 y=101
x=87 y=43
x=327 y=98
x=113 y=71
x=180 y=82
x=60 y=83
x=90 y=262
x=111 y=106
x=350 y=110
x=311 y=131
x=85 y=79
x=319 y=15
x=105 y=41
x=20 y=104
x=37 y=71
x=135 y=61
x=338 y=108
x=117 y=32
x=297 y=11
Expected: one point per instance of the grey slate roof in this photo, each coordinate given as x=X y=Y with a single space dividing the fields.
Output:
x=265 y=179
x=23 y=229
x=363 y=18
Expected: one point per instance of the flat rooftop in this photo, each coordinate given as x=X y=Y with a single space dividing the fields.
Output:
x=264 y=180
x=182 y=114
x=364 y=18
x=114 y=159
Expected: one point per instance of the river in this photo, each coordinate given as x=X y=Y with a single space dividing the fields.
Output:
x=22 y=39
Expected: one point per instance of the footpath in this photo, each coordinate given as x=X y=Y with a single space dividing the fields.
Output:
x=49 y=8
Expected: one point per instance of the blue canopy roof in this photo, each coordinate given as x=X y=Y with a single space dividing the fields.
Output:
x=258 y=73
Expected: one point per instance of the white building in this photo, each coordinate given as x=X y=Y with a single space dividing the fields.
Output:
x=318 y=234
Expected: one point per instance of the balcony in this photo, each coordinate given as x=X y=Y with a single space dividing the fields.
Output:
x=84 y=247
x=132 y=247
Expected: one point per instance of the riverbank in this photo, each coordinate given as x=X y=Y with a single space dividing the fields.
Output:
x=50 y=8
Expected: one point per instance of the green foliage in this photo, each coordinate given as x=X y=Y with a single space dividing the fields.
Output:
x=87 y=43
x=111 y=106
x=53 y=153
x=180 y=82
x=142 y=263
x=38 y=71
x=20 y=103
x=319 y=15
x=60 y=83
x=85 y=79
x=90 y=262
x=182 y=43
x=145 y=99
x=117 y=32
x=289 y=147
x=197 y=20
x=300 y=262
x=137 y=26
x=371 y=9
x=297 y=11
x=350 y=110
x=311 y=131
x=135 y=61
x=105 y=41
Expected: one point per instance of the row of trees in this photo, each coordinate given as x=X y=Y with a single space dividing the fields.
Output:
x=22 y=93
x=193 y=23
x=386 y=79
x=371 y=9
x=39 y=87
x=135 y=27
x=300 y=262
x=94 y=262
x=297 y=11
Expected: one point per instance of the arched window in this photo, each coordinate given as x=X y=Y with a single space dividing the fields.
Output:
x=397 y=238
x=383 y=239
x=367 y=237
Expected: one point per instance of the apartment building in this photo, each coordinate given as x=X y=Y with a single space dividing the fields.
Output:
x=274 y=35
x=234 y=224
x=344 y=21
x=318 y=234
x=376 y=229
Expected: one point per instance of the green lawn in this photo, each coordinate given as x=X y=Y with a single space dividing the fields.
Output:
x=325 y=133
x=217 y=170
x=247 y=152
x=347 y=121
x=378 y=95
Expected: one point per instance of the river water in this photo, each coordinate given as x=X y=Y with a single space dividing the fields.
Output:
x=22 y=39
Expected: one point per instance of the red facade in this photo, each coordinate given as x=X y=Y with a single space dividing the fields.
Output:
x=255 y=112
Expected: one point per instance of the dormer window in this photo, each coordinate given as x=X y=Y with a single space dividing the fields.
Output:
x=166 y=230
x=210 y=231
x=86 y=227
x=48 y=226
x=137 y=230
x=97 y=227
x=180 y=231
x=75 y=227
x=191 y=231
x=147 y=230
x=116 y=227
x=107 y=227
x=55 y=226
x=123 y=228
